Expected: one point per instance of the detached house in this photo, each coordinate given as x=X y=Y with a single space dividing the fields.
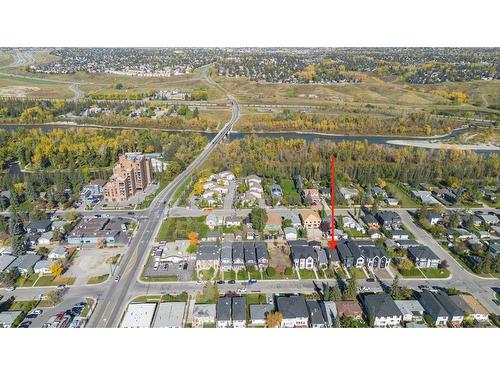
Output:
x=250 y=257
x=261 y=255
x=310 y=219
x=223 y=312
x=294 y=311
x=316 y=318
x=313 y=194
x=423 y=257
x=432 y=307
x=389 y=219
x=238 y=312
x=455 y=313
x=471 y=306
x=304 y=257
x=238 y=256
x=381 y=311
x=226 y=256
x=39 y=226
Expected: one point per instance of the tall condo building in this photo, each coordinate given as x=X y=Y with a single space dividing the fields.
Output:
x=132 y=173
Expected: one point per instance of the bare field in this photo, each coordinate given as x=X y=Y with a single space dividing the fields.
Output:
x=27 y=88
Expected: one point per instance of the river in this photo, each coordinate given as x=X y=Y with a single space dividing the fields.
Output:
x=394 y=141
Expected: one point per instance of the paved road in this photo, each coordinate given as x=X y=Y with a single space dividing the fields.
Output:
x=109 y=310
x=460 y=277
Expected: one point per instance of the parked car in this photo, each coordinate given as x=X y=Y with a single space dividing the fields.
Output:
x=231 y=282
x=252 y=281
x=10 y=289
x=117 y=278
x=25 y=324
x=220 y=282
x=61 y=286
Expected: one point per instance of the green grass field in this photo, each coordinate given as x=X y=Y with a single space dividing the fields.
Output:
x=179 y=228
x=405 y=200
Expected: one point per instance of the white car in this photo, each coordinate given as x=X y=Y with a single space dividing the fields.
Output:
x=10 y=289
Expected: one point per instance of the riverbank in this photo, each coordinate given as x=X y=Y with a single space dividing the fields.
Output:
x=442 y=145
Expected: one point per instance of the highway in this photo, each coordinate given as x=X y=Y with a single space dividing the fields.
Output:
x=112 y=303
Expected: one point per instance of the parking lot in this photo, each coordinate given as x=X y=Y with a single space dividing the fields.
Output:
x=165 y=269
x=48 y=312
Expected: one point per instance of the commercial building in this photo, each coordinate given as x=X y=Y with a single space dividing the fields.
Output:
x=139 y=315
x=169 y=315
x=94 y=230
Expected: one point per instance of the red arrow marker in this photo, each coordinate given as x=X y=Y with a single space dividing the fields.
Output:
x=332 y=243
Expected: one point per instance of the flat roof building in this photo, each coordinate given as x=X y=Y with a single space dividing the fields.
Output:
x=169 y=315
x=138 y=315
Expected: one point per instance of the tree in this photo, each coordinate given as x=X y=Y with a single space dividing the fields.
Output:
x=56 y=269
x=326 y=292
x=258 y=216
x=193 y=238
x=336 y=295
x=9 y=279
x=351 y=290
x=274 y=319
x=210 y=294
x=54 y=296
x=196 y=113
x=396 y=289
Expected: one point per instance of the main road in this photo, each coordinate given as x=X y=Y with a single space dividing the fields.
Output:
x=111 y=304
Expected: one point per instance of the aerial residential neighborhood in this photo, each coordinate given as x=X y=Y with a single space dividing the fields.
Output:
x=236 y=186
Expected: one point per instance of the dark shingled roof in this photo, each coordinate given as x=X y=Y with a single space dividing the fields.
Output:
x=422 y=252
x=292 y=307
x=380 y=305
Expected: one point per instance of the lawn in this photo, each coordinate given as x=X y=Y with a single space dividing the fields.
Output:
x=405 y=200
x=435 y=273
x=205 y=274
x=182 y=190
x=23 y=282
x=97 y=279
x=307 y=274
x=174 y=229
x=414 y=273
x=183 y=297
x=242 y=275
x=45 y=280
x=159 y=279
x=150 y=298
x=329 y=273
x=289 y=191
x=357 y=273
x=255 y=275
x=230 y=275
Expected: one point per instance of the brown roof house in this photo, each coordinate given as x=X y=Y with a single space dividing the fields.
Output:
x=350 y=309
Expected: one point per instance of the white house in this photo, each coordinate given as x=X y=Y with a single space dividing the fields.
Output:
x=213 y=220
x=349 y=223
x=45 y=238
x=58 y=253
x=290 y=233
x=43 y=266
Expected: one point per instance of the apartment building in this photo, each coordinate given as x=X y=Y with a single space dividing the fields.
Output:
x=132 y=173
